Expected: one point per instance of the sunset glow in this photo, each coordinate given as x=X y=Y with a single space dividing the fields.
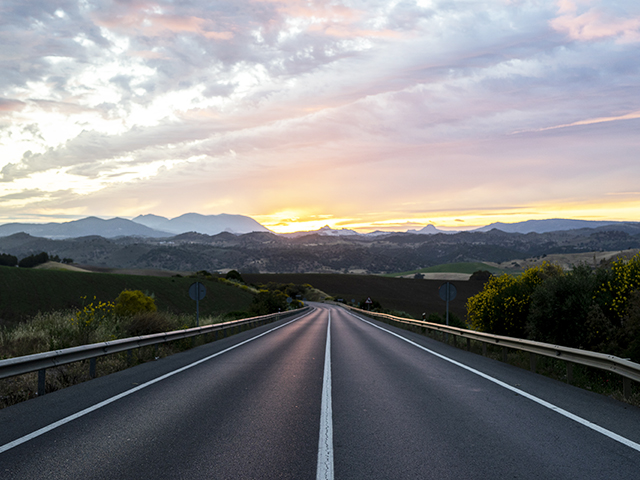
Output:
x=376 y=115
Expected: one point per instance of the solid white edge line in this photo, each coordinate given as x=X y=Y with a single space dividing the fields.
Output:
x=550 y=406
x=325 y=442
x=81 y=413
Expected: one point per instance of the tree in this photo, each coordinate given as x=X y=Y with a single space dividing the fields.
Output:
x=234 y=275
x=34 y=260
x=8 y=260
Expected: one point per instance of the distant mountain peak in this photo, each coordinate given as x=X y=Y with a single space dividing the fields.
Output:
x=429 y=230
x=545 y=226
x=205 y=224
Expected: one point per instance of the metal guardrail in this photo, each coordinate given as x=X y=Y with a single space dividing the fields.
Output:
x=627 y=369
x=39 y=362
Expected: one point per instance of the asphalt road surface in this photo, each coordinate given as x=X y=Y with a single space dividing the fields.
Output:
x=323 y=395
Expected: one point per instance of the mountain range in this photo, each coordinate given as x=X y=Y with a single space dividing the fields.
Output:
x=155 y=226
x=151 y=226
x=266 y=252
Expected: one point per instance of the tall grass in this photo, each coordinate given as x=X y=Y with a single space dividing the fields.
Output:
x=58 y=330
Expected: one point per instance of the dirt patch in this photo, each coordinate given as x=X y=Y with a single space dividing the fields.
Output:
x=134 y=271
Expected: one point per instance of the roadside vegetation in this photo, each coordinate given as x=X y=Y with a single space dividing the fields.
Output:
x=594 y=309
x=131 y=313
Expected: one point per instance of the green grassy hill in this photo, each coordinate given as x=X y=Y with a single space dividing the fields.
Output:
x=25 y=292
x=412 y=296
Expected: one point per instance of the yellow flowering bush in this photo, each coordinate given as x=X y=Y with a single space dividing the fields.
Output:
x=502 y=306
x=132 y=302
x=92 y=313
x=616 y=285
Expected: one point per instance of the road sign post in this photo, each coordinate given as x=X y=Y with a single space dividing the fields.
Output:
x=447 y=293
x=197 y=291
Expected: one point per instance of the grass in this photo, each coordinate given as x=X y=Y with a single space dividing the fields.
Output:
x=400 y=294
x=26 y=292
x=462 y=267
x=58 y=330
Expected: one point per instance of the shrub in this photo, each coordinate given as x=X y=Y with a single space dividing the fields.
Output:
x=234 y=275
x=502 y=307
x=132 y=302
x=148 y=322
x=629 y=335
x=90 y=318
x=481 y=275
x=615 y=285
x=268 y=301
x=560 y=307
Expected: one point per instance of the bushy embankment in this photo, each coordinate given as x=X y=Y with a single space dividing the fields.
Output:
x=25 y=292
x=593 y=309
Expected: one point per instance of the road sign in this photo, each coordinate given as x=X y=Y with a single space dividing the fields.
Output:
x=197 y=291
x=289 y=300
x=448 y=291
x=368 y=300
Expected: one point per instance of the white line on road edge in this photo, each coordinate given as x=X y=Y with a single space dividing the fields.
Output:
x=325 y=443
x=81 y=413
x=550 y=406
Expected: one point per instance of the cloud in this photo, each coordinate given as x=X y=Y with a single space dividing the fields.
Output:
x=363 y=108
x=599 y=22
x=10 y=105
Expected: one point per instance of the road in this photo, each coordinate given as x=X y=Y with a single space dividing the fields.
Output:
x=325 y=395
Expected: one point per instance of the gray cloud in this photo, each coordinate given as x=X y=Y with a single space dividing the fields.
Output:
x=247 y=90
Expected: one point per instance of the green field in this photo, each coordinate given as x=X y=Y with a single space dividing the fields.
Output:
x=462 y=267
x=25 y=292
x=402 y=294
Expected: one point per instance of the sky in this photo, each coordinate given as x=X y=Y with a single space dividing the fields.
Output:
x=369 y=115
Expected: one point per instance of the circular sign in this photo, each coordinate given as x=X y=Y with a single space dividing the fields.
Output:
x=447 y=291
x=289 y=299
x=197 y=291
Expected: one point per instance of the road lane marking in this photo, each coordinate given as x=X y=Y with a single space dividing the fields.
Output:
x=59 y=423
x=608 y=433
x=325 y=443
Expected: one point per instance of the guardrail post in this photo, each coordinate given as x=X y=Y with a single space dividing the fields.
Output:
x=532 y=362
x=129 y=357
x=42 y=383
x=468 y=344
x=455 y=340
x=569 y=372
x=626 y=387
x=484 y=349
x=504 y=354
x=92 y=367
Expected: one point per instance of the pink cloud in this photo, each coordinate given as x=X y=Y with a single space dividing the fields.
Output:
x=595 y=24
x=142 y=18
x=7 y=105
